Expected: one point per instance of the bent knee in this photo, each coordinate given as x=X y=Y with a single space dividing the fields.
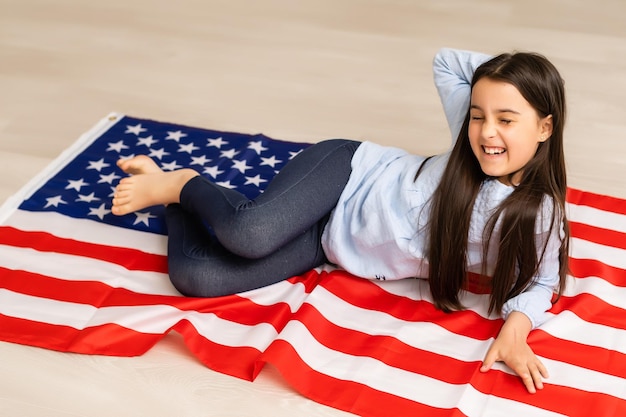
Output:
x=192 y=283
x=250 y=244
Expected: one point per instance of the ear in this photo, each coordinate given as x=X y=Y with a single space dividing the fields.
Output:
x=545 y=128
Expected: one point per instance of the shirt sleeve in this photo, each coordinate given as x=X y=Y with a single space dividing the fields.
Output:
x=453 y=70
x=536 y=300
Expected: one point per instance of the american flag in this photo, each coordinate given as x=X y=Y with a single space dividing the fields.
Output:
x=75 y=278
x=84 y=187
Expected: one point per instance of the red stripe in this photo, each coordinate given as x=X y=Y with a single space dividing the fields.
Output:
x=593 y=310
x=600 y=359
x=108 y=339
x=115 y=340
x=598 y=235
x=349 y=396
x=440 y=367
x=379 y=347
x=568 y=401
x=586 y=306
x=585 y=268
x=454 y=371
x=365 y=401
x=309 y=280
x=131 y=259
x=600 y=202
x=240 y=362
x=365 y=294
x=232 y=308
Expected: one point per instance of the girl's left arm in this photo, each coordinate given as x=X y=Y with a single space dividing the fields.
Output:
x=536 y=300
x=511 y=348
x=522 y=314
x=528 y=310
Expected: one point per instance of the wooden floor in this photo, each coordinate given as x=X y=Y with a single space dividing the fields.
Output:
x=298 y=70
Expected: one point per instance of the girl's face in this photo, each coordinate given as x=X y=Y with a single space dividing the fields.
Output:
x=504 y=130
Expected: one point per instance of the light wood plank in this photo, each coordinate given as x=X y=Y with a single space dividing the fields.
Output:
x=304 y=71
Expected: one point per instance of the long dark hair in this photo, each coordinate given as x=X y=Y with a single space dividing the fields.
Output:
x=539 y=82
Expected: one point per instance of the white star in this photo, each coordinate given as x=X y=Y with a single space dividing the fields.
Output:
x=170 y=166
x=257 y=180
x=175 y=135
x=217 y=142
x=230 y=154
x=293 y=154
x=199 y=160
x=242 y=166
x=147 y=141
x=158 y=153
x=143 y=218
x=117 y=146
x=257 y=146
x=272 y=161
x=87 y=198
x=137 y=129
x=189 y=148
x=226 y=184
x=212 y=171
x=100 y=211
x=98 y=165
x=54 y=201
x=76 y=184
x=108 y=178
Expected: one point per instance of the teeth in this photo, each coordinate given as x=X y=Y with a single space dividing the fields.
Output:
x=493 y=150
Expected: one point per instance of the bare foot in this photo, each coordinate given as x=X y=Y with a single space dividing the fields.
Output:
x=140 y=164
x=147 y=186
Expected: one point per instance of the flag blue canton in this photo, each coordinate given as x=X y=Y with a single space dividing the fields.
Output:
x=84 y=187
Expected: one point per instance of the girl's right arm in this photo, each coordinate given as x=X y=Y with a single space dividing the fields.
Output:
x=453 y=70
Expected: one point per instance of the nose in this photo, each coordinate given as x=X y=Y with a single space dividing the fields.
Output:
x=488 y=128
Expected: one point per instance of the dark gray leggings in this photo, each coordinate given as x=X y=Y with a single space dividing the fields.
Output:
x=256 y=242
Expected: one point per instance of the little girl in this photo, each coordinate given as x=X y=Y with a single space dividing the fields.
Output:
x=493 y=205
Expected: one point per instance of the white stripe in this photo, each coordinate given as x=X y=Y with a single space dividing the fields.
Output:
x=597 y=218
x=568 y=326
x=565 y=374
x=86 y=230
x=421 y=335
x=285 y=292
x=583 y=249
x=415 y=387
x=604 y=290
x=434 y=338
x=294 y=295
x=230 y=333
x=78 y=268
x=57 y=164
x=155 y=319
x=419 y=290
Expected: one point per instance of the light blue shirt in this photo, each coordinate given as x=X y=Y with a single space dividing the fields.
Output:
x=377 y=229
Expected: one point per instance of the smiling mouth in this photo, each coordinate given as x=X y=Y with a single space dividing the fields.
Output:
x=493 y=150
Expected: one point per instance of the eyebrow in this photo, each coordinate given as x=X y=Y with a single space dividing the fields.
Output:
x=476 y=107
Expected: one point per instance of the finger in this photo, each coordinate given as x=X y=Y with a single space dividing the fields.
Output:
x=486 y=366
x=488 y=362
x=536 y=377
x=528 y=381
x=542 y=369
x=538 y=374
